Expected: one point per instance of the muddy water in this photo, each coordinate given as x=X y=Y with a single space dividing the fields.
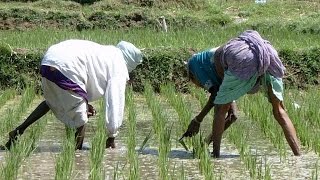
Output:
x=41 y=163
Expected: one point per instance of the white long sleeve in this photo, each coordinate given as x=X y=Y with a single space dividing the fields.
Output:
x=114 y=101
x=99 y=70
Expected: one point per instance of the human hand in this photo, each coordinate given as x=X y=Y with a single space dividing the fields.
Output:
x=232 y=113
x=110 y=143
x=193 y=128
x=91 y=111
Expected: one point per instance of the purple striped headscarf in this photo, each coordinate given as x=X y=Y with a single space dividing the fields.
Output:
x=249 y=54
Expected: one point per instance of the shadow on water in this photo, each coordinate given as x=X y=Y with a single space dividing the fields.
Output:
x=181 y=154
x=53 y=148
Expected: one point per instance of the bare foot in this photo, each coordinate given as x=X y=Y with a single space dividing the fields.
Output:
x=13 y=137
x=110 y=143
x=2 y=147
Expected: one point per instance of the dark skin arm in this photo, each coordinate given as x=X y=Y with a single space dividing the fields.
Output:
x=232 y=115
x=209 y=105
x=284 y=121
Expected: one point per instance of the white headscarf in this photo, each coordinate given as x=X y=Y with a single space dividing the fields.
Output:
x=131 y=54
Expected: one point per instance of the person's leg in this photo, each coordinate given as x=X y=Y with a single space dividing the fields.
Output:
x=79 y=135
x=41 y=110
x=230 y=119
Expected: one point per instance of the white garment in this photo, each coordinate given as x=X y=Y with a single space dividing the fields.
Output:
x=132 y=55
x=100 y=70
x=69 y=107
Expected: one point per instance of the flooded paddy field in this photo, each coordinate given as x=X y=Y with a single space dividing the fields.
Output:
x=262 y=157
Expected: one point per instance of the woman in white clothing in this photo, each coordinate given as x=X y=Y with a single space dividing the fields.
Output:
x=76 y=72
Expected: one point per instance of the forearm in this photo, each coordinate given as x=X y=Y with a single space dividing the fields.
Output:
x=115 y=99
x=205 y=110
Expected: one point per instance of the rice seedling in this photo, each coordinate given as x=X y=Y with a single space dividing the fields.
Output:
x=131 y=136
x=98 y=146
x=145 y=141
x=26 y=144
x=188 y=37
x=115 y=171
x=200 y=148
x=239 y=139
x=257 y=108
x=65 y=160
x=302 y=108
x=182 y=172
x=6 y=95
x=315 y=172
x=162 y=132
x=177 y=102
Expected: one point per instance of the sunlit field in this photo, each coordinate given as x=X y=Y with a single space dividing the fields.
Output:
x=147 y=147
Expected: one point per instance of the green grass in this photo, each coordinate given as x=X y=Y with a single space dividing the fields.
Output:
x=147 y=38
x=98 y=145
x=65 y=160
x=132 y=156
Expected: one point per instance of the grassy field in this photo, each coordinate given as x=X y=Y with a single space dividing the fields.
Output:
x=148 y=38
x=254 y=148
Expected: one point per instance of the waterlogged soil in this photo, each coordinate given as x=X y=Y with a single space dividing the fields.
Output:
x=42 y=161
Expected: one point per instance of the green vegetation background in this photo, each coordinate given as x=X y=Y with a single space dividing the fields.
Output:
x=27 y=28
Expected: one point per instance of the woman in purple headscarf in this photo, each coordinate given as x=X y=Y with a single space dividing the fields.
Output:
x=230 y=71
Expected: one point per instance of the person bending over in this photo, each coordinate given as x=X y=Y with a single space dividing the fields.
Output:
x=75 y=72
x=230 y=71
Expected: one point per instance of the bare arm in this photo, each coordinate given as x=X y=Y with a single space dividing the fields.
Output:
x=283 y=119
x=206 y=109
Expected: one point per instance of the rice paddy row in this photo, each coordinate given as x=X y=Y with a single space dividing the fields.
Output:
x=147 y=147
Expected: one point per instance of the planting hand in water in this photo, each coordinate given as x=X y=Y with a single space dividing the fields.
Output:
x=237 y=68
x=193 y=128
x=72 y=78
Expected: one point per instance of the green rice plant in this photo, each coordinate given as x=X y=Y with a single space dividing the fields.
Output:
x=14 y=113
x=315 y=175
x=162 y=132
x=6 y=95
x=98 y=146
x=22 y=149
x=198 y=38
x=257 y=108
x=131 y=136
x=202 y=152
x=8 y=120
x=238 y=138
x=14 y=159
x=23 y=146
x=199 y=94
x=145 y=141
x=182 y=171
x=177 y=102
x=65 y=160
x=302 y=108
